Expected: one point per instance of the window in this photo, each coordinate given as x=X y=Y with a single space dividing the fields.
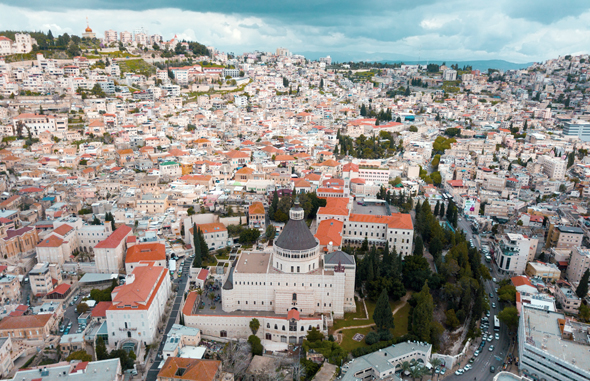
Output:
x=223 y=334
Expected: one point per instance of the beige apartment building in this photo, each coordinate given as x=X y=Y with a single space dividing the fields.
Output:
x=579 y=262
x=565 y=237
x=152 y=203
x=42 y=278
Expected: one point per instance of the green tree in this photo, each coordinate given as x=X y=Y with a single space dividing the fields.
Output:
x=418 y=246
x=413 y=129
x=582 y=289
x=422 y=314
x=254 y=325
x=584 y=312
x=562 y=188
x=249 y=235
x=82 y=307
x=191 y=210
x=437 y=208
x=79 y=355
x=101 y=349
x=314 y=335
x=451 y=319
x=509 y=316
x=256 y=345
x=271 y=231
x=365 y=245
x=507 y=293
x=382 y=315
x=198 y=261
x=442 y=210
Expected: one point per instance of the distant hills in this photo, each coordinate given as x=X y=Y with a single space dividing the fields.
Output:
x=391 y=58
x=482 y=65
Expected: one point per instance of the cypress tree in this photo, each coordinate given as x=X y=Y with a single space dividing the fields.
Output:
x=422 y=314
x=582 y=289
x=198 y=261
x=418 y=246
x=382 y=315
x=442 y=210
x=437 y=208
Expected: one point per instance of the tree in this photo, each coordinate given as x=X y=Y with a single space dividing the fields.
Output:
x=101 y=349
x=507 y=293
x=198 y=261
x=509 y=316
x=382 y=315
x=249 y=235
x=422 y=314
x=95 y=221
x=321 y=84
x=79 y=355
x=271 y=231
x=442 y=210
x=314 y=335
x=582 y=289
x=437 y=208
x=82 y=307
x=452 y=321
x=562 y=188
x=256 y=345
x=254 y=325
x=418 y=246
x=365 y=245
x=191 y=210
x=584 y=312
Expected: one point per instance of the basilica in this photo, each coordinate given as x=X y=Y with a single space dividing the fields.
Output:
x=290 y=288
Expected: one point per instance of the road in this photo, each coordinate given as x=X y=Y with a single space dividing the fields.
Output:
x=181 y=282
x=481 y=365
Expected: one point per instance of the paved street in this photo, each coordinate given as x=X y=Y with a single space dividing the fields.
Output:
x=153 y=372
x=482 y=363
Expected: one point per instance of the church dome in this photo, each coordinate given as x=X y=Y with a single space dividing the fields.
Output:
x=296 y=235
x=88 y=30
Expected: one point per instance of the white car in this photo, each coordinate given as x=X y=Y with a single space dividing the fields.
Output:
x=497 y=336
x=459 y=372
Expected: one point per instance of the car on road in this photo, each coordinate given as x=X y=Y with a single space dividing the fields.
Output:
x=459 y=372
x=476 y=353
x=490 y=338
x=494 y=280
x=493 y=305
x=488 y=313
x=492 y=369
x=467 y=367
x=443 y=371
x=491 y=348
x=491 y=295
x=62 y=328
x=497 y=336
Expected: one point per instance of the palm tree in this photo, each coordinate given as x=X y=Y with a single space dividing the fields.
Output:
x=435 y=362
x=406 y=367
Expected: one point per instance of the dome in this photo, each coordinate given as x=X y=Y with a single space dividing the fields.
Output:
x=296 y=235
x=88 y=30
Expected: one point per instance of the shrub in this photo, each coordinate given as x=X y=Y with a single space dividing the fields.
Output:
x=371 y=338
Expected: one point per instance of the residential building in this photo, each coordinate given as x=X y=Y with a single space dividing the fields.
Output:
x=545 y=271
x=566 y=296
x=170 y=168
x=257 y=216
x=397 y=229
x=216 y=235
x=579 y=263
x=10 y=290
x=565 y=237
x=138 y=306
x=153 y=203
x=553 y=167
x=44 y=277
x=512 y=254
x=108 y=254
x=179 y=337
x=6 y=353
x=32 y=327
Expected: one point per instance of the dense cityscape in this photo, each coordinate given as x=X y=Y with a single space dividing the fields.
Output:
x=170 y=211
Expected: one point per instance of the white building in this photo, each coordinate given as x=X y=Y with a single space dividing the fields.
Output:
x=579 y=263
x=216 y=235
x=552 y=347
x=108 y=254
x=138 y=306
x=553 y=167
x=397 y=229
x=513 y=253
x=170 y=168
x=292 y=289
x=90 y=235
x=37 y=124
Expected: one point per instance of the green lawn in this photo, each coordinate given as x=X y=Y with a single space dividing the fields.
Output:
x=400 y=329
x=138 y=66
x=348 y=343
x=349 y=321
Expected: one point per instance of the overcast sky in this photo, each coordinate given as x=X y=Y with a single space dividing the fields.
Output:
x=513 y=30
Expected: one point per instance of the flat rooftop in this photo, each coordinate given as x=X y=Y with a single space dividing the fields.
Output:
x=369 y=208
x=542 y=332
x=253 y=262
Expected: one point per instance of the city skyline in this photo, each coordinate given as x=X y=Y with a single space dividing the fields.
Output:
x=399 y=30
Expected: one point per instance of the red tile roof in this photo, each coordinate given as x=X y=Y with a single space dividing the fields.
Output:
x=100 y=310
x=115 y=238
x=146 y=252
x=60 y=289
x=51 y=241
x=330 y=231
x=395 y=221
x=141 y=292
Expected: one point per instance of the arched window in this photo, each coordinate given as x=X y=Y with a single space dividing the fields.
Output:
x=223 y=334
x=294 y=297
x=267 y=325
x=283 y=328
x=276 y=327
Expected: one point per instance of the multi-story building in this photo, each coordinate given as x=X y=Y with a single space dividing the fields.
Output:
x=142 y=254
x=565 y=237
x=397 y=229
x=10 y=290
x=90 y=235
x=170 y=168
x=108 y=254
x=180 y=369
x=579 y=263
x=138 y=306
x=18 y=242
x=544 y=271
x=36 y=124
x=6 y=363
x=32 y=327
x=577 y=129
x=512 y=253
x=110 y=36
x=126 y=37
x=179 y=337
x=43 y=277
x=152 y=203
x=566 y=296
x=552 y=347
x=216 y=235
x=257 y=216
x=553 y=167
